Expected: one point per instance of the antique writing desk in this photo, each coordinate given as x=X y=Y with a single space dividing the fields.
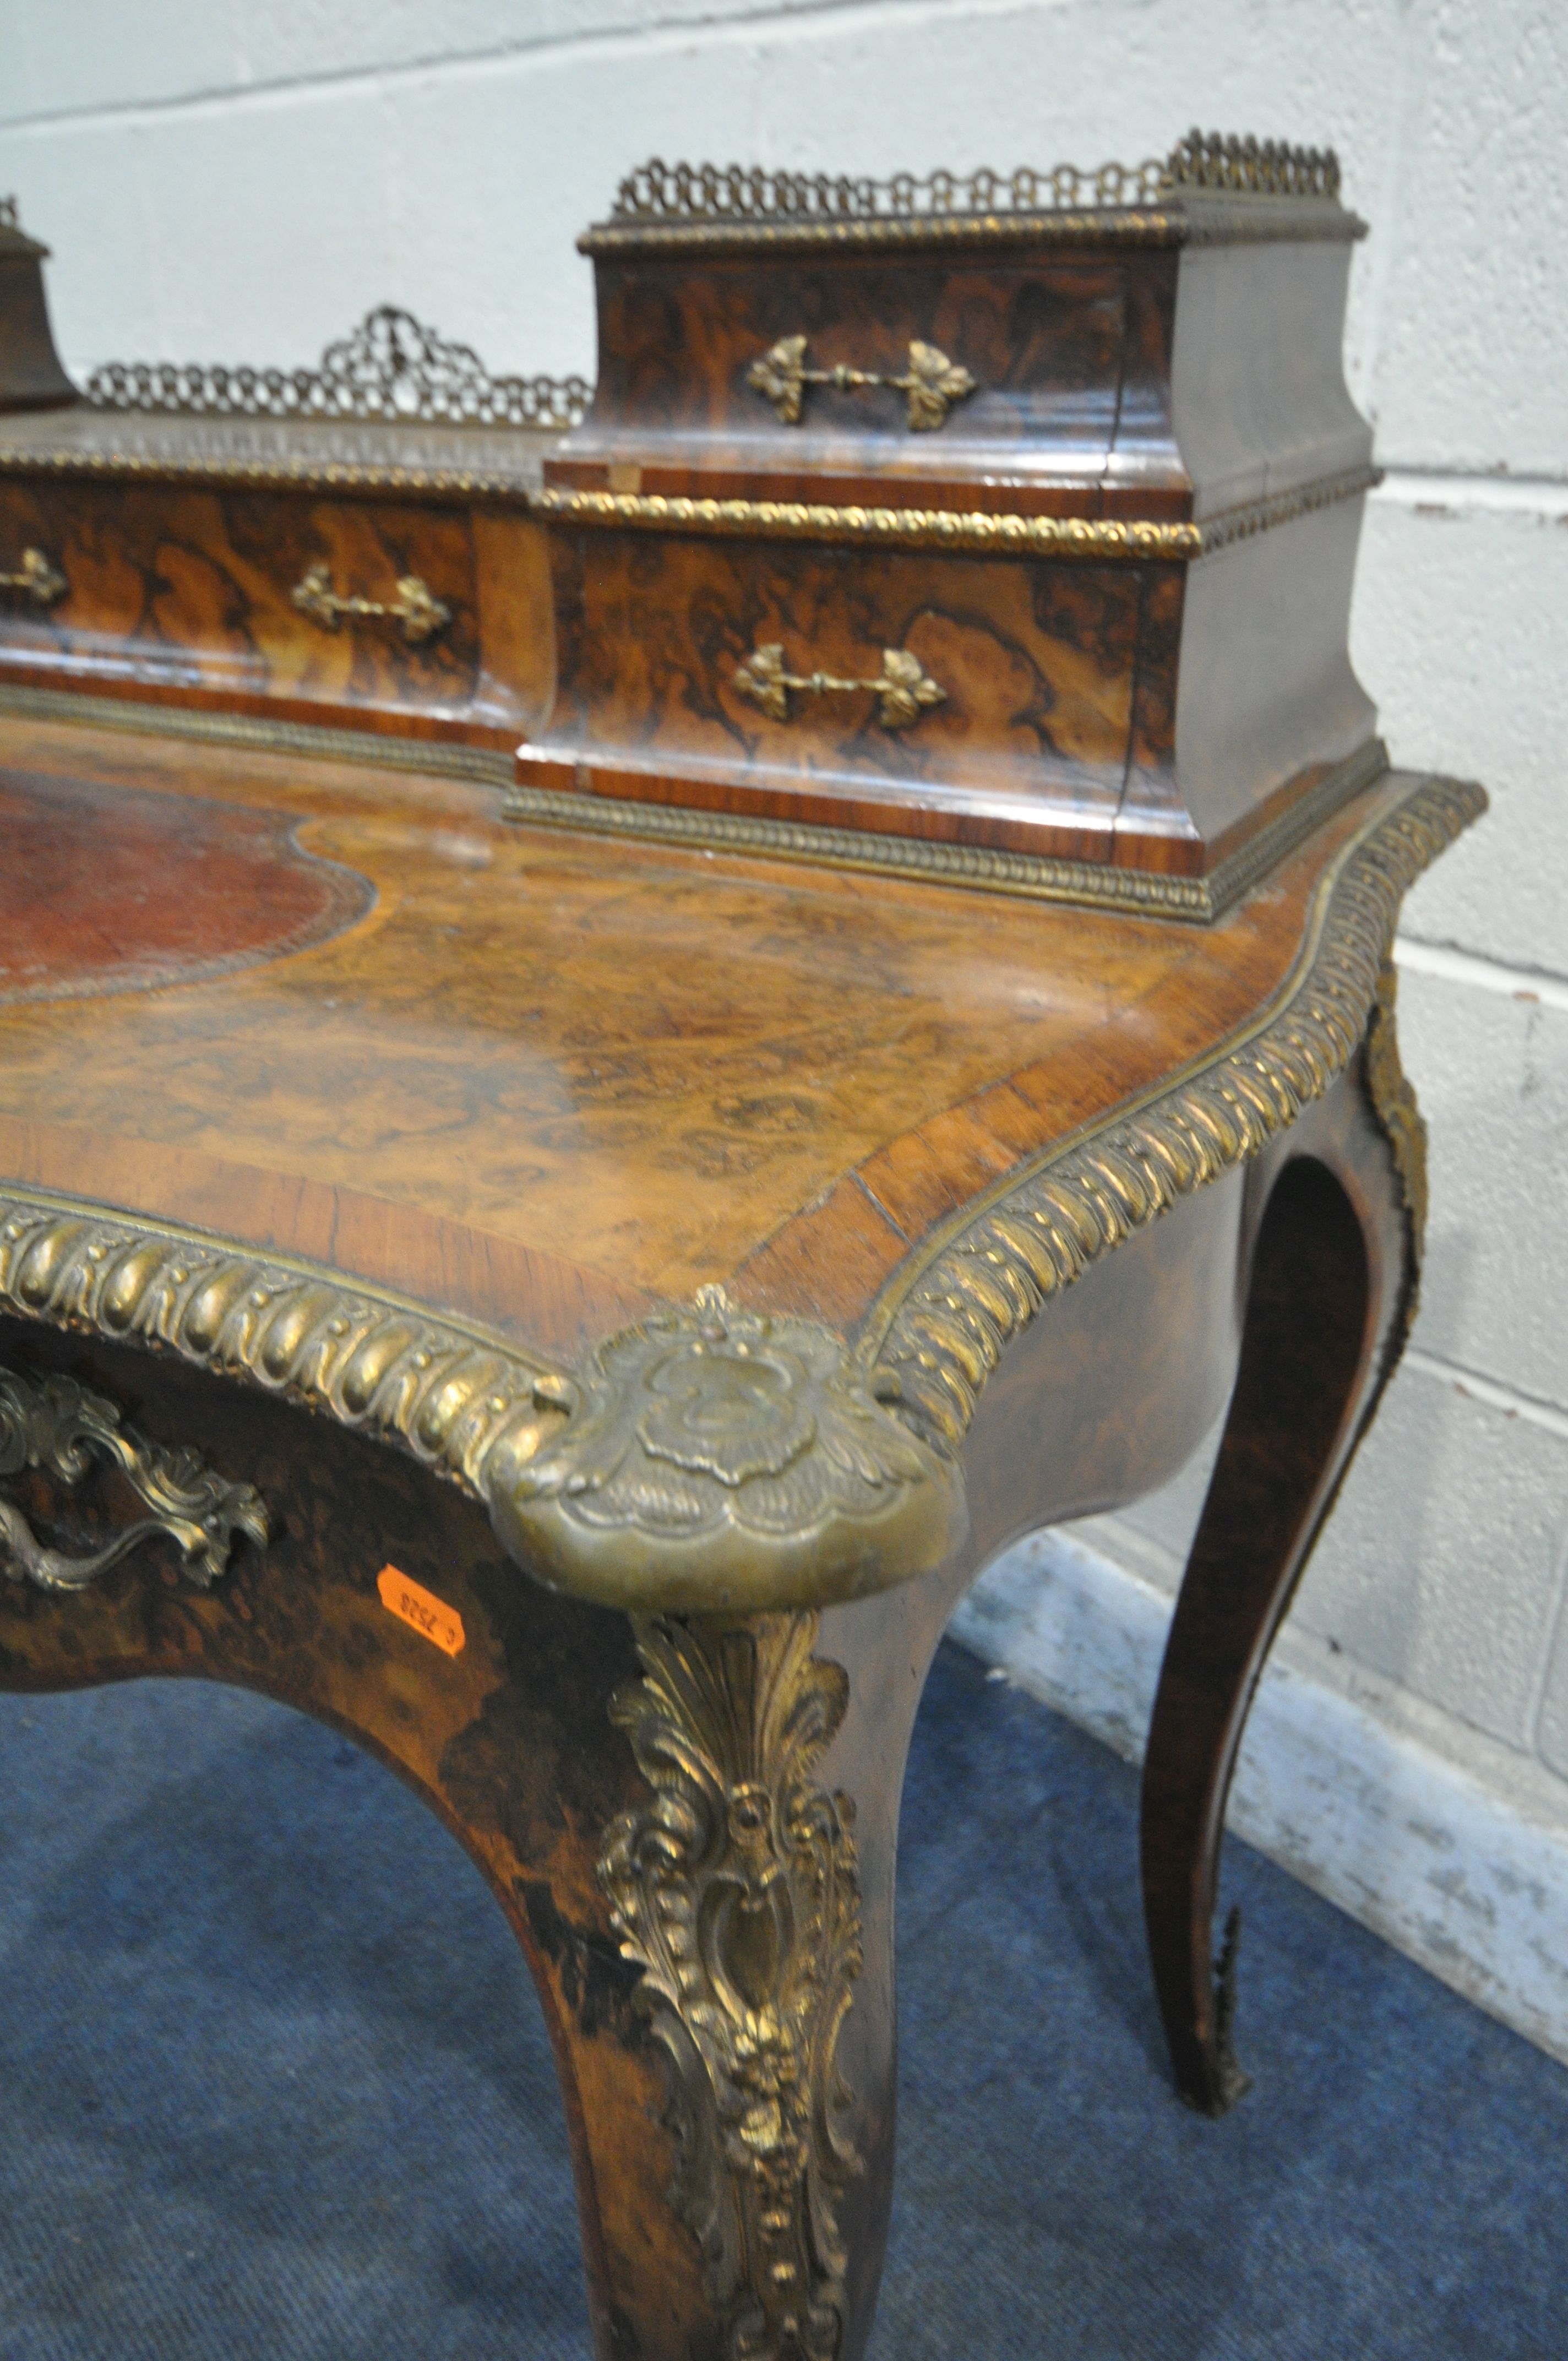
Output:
x=569 y=1281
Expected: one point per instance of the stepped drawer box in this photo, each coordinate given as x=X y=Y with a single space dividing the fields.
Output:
x=999 y=528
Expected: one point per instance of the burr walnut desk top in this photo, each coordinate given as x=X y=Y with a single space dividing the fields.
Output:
x=542 y=1085
x=757 y=1248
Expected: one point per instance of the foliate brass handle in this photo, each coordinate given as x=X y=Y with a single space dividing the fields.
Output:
x=932 y=382
x=416 y=608
x=36 y=579
x=58 y=1426
x=902 y=692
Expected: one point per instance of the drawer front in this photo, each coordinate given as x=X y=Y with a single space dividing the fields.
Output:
x=997 y=688
x=252 y=595
x=930 y=362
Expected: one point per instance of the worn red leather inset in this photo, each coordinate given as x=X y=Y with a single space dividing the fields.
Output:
x=113 y=889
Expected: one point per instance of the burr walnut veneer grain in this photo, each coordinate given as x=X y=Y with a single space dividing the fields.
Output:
x=616 y=1249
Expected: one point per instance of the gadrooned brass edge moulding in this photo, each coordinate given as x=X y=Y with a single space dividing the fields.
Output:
x=952 y=1309
x=606 y=1481
x=838 y=1472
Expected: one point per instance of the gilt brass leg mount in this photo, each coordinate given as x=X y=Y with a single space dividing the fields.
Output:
x=735 y=1891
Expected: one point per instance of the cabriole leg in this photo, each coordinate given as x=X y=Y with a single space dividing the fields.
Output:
x=1332 y=1287
x=689 y=1822
x=750 y=1886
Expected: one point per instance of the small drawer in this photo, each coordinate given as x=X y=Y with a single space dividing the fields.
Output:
x=984 y=689
x=345 y=609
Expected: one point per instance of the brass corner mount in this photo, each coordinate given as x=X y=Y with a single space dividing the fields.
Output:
x=714 y=1459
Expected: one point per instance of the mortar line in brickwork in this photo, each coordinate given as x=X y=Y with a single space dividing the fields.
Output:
x=692 y=29
x=1456 y=489
x=1512 y=1404
x=1526 y=984
x=1544 y=1680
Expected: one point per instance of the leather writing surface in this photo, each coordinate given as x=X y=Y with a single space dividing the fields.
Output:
x=107 y=888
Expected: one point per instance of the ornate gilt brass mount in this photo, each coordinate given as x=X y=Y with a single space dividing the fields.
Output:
x=36 y=580
x=902 y=693
x=735 y=1892
x=714 y=1459
x=835 y=203
x=931 y=384
x=416 y=608
x=60 y=1427
x=389 y=368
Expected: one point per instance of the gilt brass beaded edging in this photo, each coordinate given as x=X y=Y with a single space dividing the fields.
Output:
x=953 y=1307
x=308 y=475
x=261 y=733
x=1039 y=877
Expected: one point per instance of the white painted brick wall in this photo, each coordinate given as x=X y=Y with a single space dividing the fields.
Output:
x=224 y=180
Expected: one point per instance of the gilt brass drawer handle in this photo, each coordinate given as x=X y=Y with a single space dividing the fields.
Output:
x=416 y=608
x=902 y=692
x=36 y=579
x=58 y=1426
x=932 y=383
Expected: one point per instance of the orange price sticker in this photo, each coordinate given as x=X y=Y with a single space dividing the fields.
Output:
x=422 y=1610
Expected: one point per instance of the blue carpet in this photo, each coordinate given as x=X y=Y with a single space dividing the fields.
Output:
x=274 y=2086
